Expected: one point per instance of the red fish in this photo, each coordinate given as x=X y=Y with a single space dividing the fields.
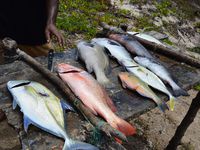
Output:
x=87 y=89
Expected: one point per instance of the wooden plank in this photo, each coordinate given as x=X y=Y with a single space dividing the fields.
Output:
x=129 y=103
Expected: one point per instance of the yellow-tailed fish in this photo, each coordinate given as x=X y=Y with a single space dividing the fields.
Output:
x=44 y=110
x=132 y=82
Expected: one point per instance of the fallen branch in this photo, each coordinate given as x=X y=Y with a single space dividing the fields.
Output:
x=187 y=120
x=99 y=123
x=177 y=55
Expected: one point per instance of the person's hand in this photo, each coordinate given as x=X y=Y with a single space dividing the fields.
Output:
x=52 y=30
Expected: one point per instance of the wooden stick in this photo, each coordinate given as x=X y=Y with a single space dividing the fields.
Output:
x=177 y=55
x=97 y=122
x=187 y=120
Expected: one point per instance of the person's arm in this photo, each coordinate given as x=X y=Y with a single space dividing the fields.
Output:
x=52 y=10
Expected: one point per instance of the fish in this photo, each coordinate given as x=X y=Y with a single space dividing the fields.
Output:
x=161 y=72
x=96 y=61
x=124 y=58
x=132 y=82
x=131 y=44
x=146 y=37
x=43 y=109
x=113 y=49
x=94 y=96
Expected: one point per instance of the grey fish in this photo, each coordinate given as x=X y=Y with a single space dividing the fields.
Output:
x=131 y=44
x=162 y=72
x=44 y=110
x=96 y=61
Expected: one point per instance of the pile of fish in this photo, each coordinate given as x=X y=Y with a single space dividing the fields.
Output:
x=145 y=71
x=44 y=110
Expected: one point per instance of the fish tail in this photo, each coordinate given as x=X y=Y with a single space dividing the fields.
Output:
x=122 y=126
x=75 y=145
x=172 y=103
x=180 y=92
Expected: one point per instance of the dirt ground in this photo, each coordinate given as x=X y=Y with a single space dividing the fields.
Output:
x=158 y=128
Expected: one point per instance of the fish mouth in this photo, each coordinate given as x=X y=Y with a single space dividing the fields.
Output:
x=17 y=83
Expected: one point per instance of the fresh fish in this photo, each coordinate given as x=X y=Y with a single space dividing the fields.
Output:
x=93 y=96
x=96 y=61
x=131 y=44
x=44 y=110
x=134 y=83
x=123 y=57
x=161 y=72
x=146 y=37
x=114 y=49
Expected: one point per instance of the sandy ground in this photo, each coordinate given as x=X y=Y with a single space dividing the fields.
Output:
x=158 y=128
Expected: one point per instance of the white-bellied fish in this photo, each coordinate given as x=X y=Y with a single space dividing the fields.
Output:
x=123 y=57
x=161 y=72
x=132 y=82
x=146 y=37
x=44 y=110
x=96 y=61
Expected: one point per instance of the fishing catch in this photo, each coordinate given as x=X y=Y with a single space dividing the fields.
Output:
x=123 y=57
x=161 y=72
x=44 y=110
x=96 y=61
x=132 y=82
x=87 y=89
x=146 y=37
x=131 y=44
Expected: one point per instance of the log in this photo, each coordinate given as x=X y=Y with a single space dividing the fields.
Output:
x=177 y=55
x=187 y=120
x=97 y=122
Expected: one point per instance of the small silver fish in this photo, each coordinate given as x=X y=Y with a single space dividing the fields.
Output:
x=44 y=110
x=162 y=72
x=96 y=61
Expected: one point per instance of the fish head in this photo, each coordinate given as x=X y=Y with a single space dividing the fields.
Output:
x=66 y=68
x=123 y=75
x=17 y=83
x=114 y=36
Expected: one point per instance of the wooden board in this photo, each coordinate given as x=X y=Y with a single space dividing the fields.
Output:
x=129 y=103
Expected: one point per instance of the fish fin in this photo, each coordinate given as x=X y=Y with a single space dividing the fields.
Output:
x=124 y=85
x=163 y=106
x=180 y=92
x=172 y=103
x=14 y=104
x=104 y=81
x=66 y=106
x=108 y=69
x=77 y=145
x=27 y=122
x=122 y=126
x=76 y=54
x=89 y=68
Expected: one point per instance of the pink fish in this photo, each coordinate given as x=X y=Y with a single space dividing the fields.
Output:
x=87 y=89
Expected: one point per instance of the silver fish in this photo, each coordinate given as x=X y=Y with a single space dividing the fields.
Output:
x=131 y=44
x=96 y=61
x=123 y=57
x=44 y=110
x=161 y=72
x=146 y=37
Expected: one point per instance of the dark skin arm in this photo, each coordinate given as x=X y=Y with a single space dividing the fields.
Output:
x=52 y=10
